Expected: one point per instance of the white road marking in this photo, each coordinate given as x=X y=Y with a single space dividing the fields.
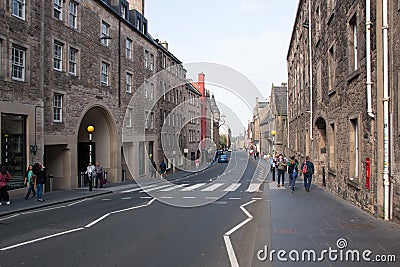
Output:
x=253 y=187
x=192 y=187
x=173 y=187
x=189 y=197
x=155 y=188
x=167 y=197
x=135 y=207
x=139 y=188
x=212 y=187
x=36 y=211
x=228 y=243
x=145 y=197
x=106 y=199
x=40 y=239
x=126 y=198
x=235 y=198
x=98 y=220
x=256 y=198
x=211 y=198
x=77 y=202
x=232 y=187
x=9 y=217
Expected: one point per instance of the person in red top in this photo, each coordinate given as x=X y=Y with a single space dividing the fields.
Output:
x=5 y=177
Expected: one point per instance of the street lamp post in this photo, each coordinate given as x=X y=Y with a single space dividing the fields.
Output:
x=273 y=133
x=90 y=130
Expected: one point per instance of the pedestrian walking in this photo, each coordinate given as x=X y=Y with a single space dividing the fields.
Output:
x=5 y=177
x=281 y=166
x=293 y=171
x=99 y=174
x=307 y=169
x=30 y=182
x=163 y=168
x=272 y=164
x=154 y=170
x=90 y=171
x=38 y=171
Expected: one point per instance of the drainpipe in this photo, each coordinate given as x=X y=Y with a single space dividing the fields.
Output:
x=368 y=52
x=311 y=77
x=386 y=158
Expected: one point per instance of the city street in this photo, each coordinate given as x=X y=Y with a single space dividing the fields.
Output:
x=136 y=227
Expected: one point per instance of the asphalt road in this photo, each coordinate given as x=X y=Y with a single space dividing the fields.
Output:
x=214 y=218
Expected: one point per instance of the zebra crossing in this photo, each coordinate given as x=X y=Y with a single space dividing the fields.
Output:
x=199 y=187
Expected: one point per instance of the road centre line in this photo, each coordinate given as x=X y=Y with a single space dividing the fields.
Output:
x=228 y=243
x=40 y=239
x=98 y=220
x=126 y=198
x=235 y=198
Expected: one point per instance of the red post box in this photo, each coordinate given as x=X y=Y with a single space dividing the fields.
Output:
x=367 y=173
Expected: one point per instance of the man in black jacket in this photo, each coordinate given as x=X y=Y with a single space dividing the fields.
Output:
x=307 y=168
x=38 y=170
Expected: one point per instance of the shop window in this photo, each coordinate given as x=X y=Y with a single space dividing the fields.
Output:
x=13 y=147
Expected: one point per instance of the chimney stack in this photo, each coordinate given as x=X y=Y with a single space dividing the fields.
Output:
x=137 y=4
x=164 y=44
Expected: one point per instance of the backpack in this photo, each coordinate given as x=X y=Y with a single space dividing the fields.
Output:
x=305 y=169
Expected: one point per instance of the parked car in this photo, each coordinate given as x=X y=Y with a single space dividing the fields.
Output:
x=223 y=159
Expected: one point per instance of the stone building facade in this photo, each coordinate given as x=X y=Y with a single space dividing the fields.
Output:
x=336 y=110
x=275 y=119
x=69 y=64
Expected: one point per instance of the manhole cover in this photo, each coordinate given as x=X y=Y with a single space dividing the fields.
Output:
x=289 y=231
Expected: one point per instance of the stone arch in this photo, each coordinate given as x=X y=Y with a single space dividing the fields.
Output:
x=321 y=148
x=105 y=140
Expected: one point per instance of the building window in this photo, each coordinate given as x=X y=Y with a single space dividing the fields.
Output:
x=128 y=48
x=151 y=62
x=152 y=120
x=123 y=11
x=353 y=149
x=105 y=33
x=138 y=24
x=332 y=146
x=58 y=51
x=353 y=43
x=58 y=9
x=145 y=85
x=146 y=119
x=152 y=91
x=146 y=58
x=164 y=61
x=129 y=118
x=105 y=70
x=73 y=56
x=18 y=64
x=18 y=8
x=318 y=24
x=129 y=82
x=73 y=13
x=57 y=107
x=331 y=67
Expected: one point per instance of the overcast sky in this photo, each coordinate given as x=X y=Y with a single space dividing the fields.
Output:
x=249 y=36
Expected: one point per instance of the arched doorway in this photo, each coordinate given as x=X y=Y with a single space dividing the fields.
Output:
x=321 y=149
x=104 y=141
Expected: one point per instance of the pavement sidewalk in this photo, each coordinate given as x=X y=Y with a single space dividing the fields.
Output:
x=318 y=220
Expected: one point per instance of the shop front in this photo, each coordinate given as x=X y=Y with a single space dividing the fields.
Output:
x=13 y=147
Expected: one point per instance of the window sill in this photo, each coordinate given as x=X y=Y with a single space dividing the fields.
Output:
x=353 y=75
x=331 y=92
x=329 y=18
x=353 y=183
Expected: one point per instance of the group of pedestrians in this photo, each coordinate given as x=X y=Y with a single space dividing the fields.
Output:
x=35 y=178
x=96 y=174
x=282 y=165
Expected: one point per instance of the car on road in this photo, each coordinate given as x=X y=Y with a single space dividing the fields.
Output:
x=223 y=159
